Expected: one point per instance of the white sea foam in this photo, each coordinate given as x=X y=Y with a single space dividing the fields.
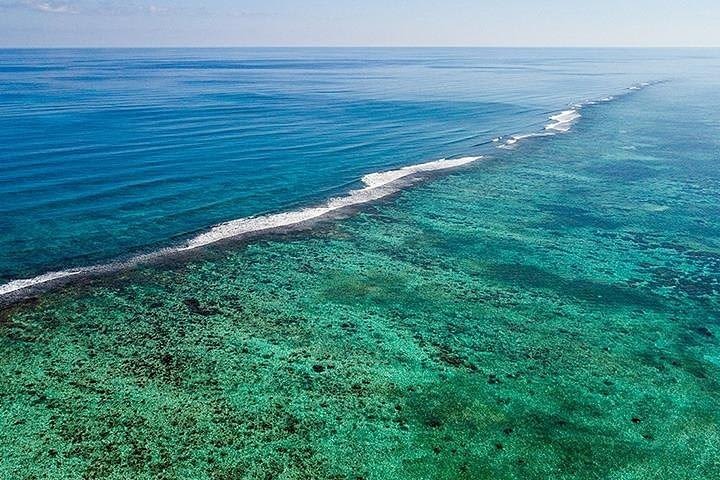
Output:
x=514 y=139
x=563 y=121
x=22 y=284
x=559 y=123
x=377 y=186
x=378 y=179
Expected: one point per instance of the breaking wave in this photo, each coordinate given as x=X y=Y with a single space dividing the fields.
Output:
x=376 y=186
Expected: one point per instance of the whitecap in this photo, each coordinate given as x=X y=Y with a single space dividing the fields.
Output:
x=377 y=186
x=563 y=121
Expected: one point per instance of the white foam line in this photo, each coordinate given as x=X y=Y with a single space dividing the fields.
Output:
x=559 y=123
x=510 y=142
x=377 y=186
x=22 y=284
x=379 y=179
x=563 y=121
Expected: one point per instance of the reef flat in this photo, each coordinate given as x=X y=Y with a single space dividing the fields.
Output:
x=551 y=312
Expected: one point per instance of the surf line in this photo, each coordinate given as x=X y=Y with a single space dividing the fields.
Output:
x=563 y=121
x=376 y=186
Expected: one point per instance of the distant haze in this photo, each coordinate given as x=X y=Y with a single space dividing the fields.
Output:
x=110 y=23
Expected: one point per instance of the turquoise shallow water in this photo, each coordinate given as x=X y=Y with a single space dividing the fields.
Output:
x=549 y=312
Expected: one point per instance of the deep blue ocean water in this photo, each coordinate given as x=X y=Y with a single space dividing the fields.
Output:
x=105 y=153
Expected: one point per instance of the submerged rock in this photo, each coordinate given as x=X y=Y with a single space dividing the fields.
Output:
x=704 y=331
x=196 y=308
x=433 y=422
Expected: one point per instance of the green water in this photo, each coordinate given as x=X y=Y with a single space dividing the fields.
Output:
x=551 y=312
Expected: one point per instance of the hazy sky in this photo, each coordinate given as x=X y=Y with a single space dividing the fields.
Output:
x=363 y=22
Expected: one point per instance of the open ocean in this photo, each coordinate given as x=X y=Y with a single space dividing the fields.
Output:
x=524 y=283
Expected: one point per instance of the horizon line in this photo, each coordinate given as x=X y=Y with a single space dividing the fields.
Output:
x=89 y=47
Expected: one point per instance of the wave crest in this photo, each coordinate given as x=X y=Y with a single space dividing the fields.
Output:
x=562 y=122
x=377 y=186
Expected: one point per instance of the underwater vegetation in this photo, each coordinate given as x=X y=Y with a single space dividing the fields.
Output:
x=551 y=312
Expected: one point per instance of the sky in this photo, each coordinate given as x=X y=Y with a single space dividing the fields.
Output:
x=135 y=23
